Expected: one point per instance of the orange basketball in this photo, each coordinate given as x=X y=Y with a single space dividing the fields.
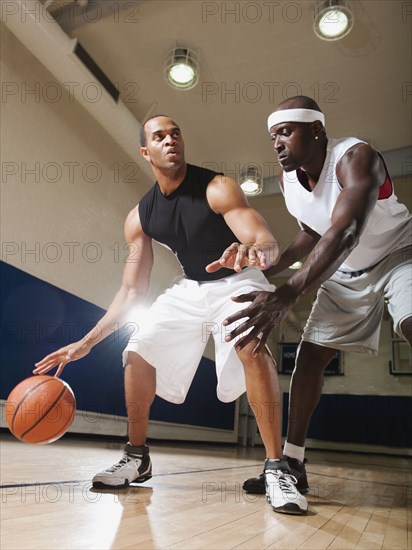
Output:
x=40 y=409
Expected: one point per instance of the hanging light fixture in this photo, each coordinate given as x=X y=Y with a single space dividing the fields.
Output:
x=182 y=68
x=251 y=180
x=334 y=19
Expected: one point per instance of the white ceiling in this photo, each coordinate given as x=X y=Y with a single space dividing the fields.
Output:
x=252 y=56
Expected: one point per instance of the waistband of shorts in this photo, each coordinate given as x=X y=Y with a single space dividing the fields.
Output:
x=368 y=269
x=360 y=272
x=228 y=279
x=356 y=273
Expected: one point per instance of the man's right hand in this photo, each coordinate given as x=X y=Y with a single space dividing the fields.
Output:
x=61 y=357
x=267 y=310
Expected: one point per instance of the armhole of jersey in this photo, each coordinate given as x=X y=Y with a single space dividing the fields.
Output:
x=205 y=196
x=141 y=218
x=386 y=189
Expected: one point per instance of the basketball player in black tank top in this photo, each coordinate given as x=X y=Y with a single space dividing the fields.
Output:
x=187 y=206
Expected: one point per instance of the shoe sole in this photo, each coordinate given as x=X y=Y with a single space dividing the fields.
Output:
x=101 y=485
x=259 y=490
x=292 y=509
x=288 y=508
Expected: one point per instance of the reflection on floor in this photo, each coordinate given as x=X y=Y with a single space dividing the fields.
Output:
x=195 y=500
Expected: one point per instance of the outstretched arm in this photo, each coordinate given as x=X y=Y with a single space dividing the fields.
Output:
x=257 y=246
x=304 y=242
x=135 y=284
x=360 y=173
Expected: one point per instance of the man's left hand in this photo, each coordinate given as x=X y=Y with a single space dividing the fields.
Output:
x=237 y=256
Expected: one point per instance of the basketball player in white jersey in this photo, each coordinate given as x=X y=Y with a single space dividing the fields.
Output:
x=356 y=238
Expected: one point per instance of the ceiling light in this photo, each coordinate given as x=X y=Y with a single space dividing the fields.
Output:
x=251 y=181
x=334 y=19
x=182 y=68
x=296 y=265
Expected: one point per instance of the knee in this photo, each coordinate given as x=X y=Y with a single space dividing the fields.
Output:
x=246 y=354
x=137 y=369
x=313 y=358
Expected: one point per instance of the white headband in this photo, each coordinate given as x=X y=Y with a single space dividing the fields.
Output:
x=295 y=115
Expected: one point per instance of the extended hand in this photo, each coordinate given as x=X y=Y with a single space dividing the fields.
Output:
x=268 y=309
x=238 y=256
x=61 y=357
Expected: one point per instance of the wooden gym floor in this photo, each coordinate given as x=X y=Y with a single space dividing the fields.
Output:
x=194 y=500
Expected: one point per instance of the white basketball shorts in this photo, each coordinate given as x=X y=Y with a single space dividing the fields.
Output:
x=178 y=325
x=347 y=313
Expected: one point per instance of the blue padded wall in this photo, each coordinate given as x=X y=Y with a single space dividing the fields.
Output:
x=38 y=318
x=366 y=419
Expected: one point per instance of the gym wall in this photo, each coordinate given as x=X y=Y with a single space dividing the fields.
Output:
x=66 y=190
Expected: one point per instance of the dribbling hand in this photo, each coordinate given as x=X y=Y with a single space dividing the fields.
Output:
x=62 y=357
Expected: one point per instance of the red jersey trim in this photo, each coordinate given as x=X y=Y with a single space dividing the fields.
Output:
x=386 y=189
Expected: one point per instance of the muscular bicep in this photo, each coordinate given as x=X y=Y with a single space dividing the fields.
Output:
x=139 y=262
x=249 y=226
x=226 y=198
x=360 y=174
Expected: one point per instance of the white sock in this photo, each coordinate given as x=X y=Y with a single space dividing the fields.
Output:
x=293 y=451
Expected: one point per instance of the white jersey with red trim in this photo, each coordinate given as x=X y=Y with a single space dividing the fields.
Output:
x=387 y=229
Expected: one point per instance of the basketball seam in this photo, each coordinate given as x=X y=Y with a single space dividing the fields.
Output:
x=25 y=397
x=68 y=421
x=46 y=413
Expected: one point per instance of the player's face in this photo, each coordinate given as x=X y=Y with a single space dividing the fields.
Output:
x=165 y=146
x=293 y=142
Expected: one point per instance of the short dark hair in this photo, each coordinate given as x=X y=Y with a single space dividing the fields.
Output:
x=143 y=140
x=299 y=102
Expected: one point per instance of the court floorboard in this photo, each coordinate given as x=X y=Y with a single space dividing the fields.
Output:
x=195 y=500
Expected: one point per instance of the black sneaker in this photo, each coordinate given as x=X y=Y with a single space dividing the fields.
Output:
x=281 y=490
x=134 y=467
x=256 y=485
x=298 y=470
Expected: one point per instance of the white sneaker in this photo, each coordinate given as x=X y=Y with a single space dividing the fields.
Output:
x=134 y=467
x=281 y=489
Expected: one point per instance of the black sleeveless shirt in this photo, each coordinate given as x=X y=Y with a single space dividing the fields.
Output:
x=185 y=223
